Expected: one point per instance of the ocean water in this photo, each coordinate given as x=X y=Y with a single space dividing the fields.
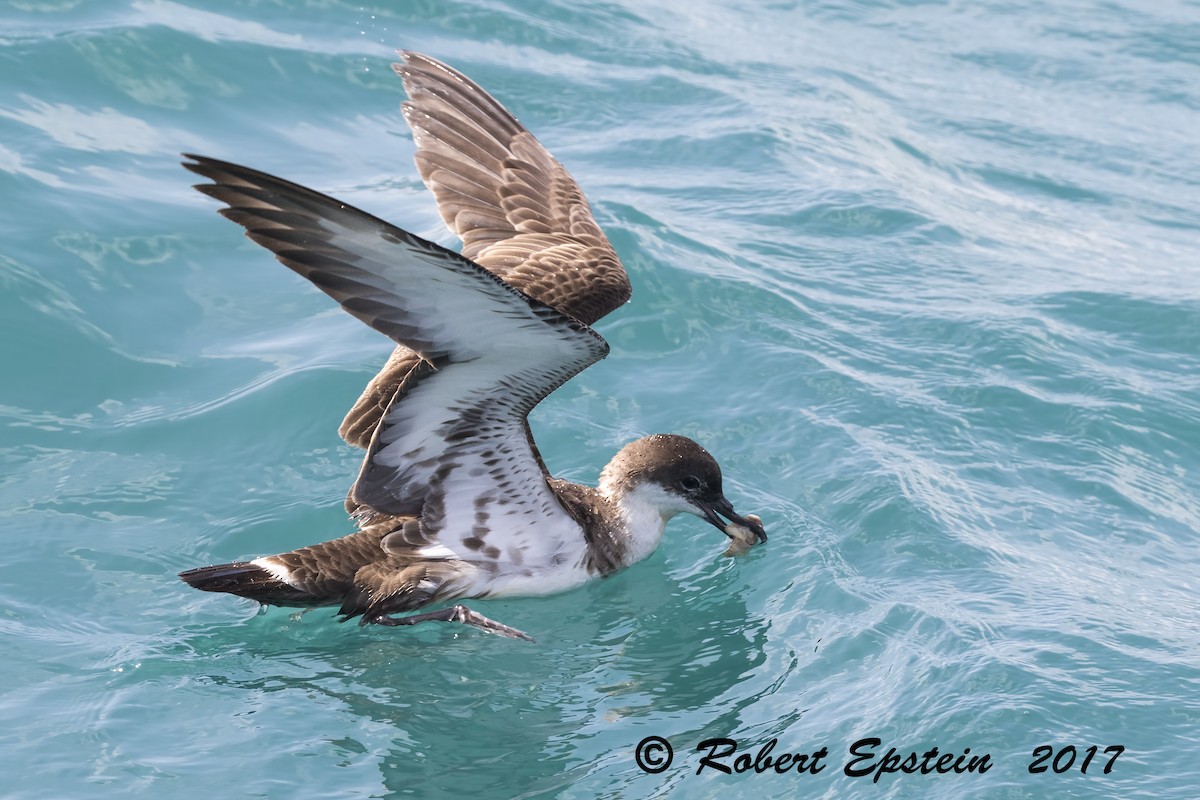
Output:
x=924 y=276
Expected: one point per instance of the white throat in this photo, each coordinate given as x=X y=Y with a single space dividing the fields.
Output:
x=645 y=510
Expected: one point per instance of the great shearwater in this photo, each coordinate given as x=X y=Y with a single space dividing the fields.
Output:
x=453 y=500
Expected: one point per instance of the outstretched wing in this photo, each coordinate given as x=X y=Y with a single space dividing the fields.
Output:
x=488 y=352
x=518 y=212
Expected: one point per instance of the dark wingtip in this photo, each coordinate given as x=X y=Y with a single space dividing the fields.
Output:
x=203 y=166
x=221 y=577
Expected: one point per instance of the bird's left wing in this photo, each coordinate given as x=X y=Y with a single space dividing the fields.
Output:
x=490 y=353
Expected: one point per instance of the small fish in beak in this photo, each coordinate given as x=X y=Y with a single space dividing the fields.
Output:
x=743 y=537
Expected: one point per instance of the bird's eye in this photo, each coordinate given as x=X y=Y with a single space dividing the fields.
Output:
x=690 y=484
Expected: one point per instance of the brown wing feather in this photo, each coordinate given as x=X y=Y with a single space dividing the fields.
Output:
x=519 y=213
x=395 y=584
x=400 y=372
x=327 y=570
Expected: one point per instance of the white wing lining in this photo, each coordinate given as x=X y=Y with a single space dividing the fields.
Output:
x=460 y=434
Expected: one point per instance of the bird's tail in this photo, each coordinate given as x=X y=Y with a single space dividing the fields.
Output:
x=247 y=579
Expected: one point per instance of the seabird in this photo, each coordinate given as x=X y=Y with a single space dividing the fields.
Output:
x=453 y=499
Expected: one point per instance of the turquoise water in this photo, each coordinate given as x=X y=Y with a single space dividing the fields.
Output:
x=923 y=276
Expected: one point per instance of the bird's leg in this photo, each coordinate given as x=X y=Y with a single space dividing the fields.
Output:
x=453 y=614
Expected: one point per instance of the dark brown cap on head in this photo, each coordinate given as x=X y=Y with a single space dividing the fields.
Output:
x=680 y=467
x=668 y=460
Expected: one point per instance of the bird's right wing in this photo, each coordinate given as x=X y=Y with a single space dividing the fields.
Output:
x=518 y=211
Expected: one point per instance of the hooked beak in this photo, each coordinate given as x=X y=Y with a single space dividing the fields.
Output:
x=724 y=508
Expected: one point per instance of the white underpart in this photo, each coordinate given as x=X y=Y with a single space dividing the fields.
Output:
x=554 y=563
x=645 y=510
x=513 y=581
